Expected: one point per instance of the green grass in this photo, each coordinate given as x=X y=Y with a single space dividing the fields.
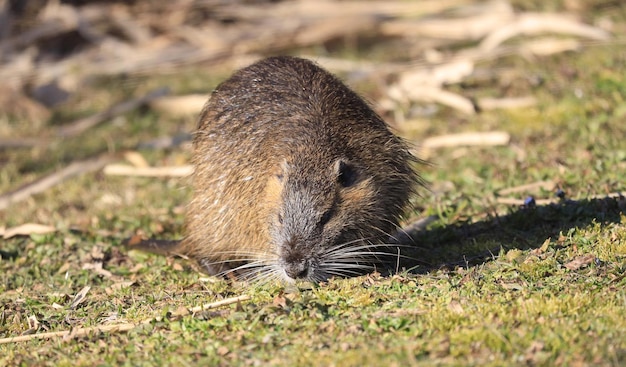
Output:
x=494 y=284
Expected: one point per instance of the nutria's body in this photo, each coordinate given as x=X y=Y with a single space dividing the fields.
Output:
x=295 y=176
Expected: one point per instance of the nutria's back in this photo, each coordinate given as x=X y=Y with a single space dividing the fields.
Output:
x=295 y=175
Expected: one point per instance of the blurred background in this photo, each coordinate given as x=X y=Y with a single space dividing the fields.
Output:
x=114 y=87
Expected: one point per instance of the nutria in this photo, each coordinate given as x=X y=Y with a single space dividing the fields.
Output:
x=295 y=177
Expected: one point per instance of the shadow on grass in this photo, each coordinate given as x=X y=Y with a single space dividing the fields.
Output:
x=469 y=244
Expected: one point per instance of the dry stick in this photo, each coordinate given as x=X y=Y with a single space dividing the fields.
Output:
x=75 y=333
x=546 y=185
x=81 y=125
x=217 y=304
x=489 y=138
x=8 y=143
x=44 y=183
x=514 y=201
x=119 y=327
x=126 y=170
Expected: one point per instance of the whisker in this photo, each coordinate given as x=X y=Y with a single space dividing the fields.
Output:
x=343 y=272
x=385 y=232
x=264 y=276
x=344 y=244
x=343 y=267
x=357 y=248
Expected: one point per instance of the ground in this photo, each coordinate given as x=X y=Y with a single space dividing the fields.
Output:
x=495 y=283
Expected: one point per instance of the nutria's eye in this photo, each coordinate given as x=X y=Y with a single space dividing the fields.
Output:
x=280 y=218
x=347 y=175
x=326 y=217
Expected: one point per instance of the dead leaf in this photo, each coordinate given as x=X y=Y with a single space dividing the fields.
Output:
x=80 y=297
x=65 y=267
x=135 y=240
x=580 y=262
x=33 y=325
x=97 y=254
x=33 y=322
x=456 y=307
x=181 y=311
x=136 y=268
x=532 y=351
x=121 y=285
x=512 y=286
x=136 y=159
x=97 y=268
x=280 y=301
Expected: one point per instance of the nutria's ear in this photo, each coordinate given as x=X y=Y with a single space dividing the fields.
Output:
x=347 y=174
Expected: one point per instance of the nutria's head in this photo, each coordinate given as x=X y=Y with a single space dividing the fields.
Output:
x=332 y=216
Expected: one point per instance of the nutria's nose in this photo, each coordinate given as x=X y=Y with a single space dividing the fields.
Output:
x=297 y=270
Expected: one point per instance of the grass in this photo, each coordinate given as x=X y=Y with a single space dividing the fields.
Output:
x=496 y=285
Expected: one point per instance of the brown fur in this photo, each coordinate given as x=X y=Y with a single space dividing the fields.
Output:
x=289 y=163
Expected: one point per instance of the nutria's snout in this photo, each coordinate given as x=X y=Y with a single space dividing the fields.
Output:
x=296 y=259
x=297 y=268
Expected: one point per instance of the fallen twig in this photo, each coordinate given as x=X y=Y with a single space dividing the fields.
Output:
x=532 y=23
x=514 y=201
x=126 y=170
x=26 y=229
x=72 y=333
x=209 y=306
x=44 y=183
x=495 y=103
x=119 y=327
x=8 y=143
x=187 y=105
x=545 y=185
x=83 y=124
x=468 y=139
